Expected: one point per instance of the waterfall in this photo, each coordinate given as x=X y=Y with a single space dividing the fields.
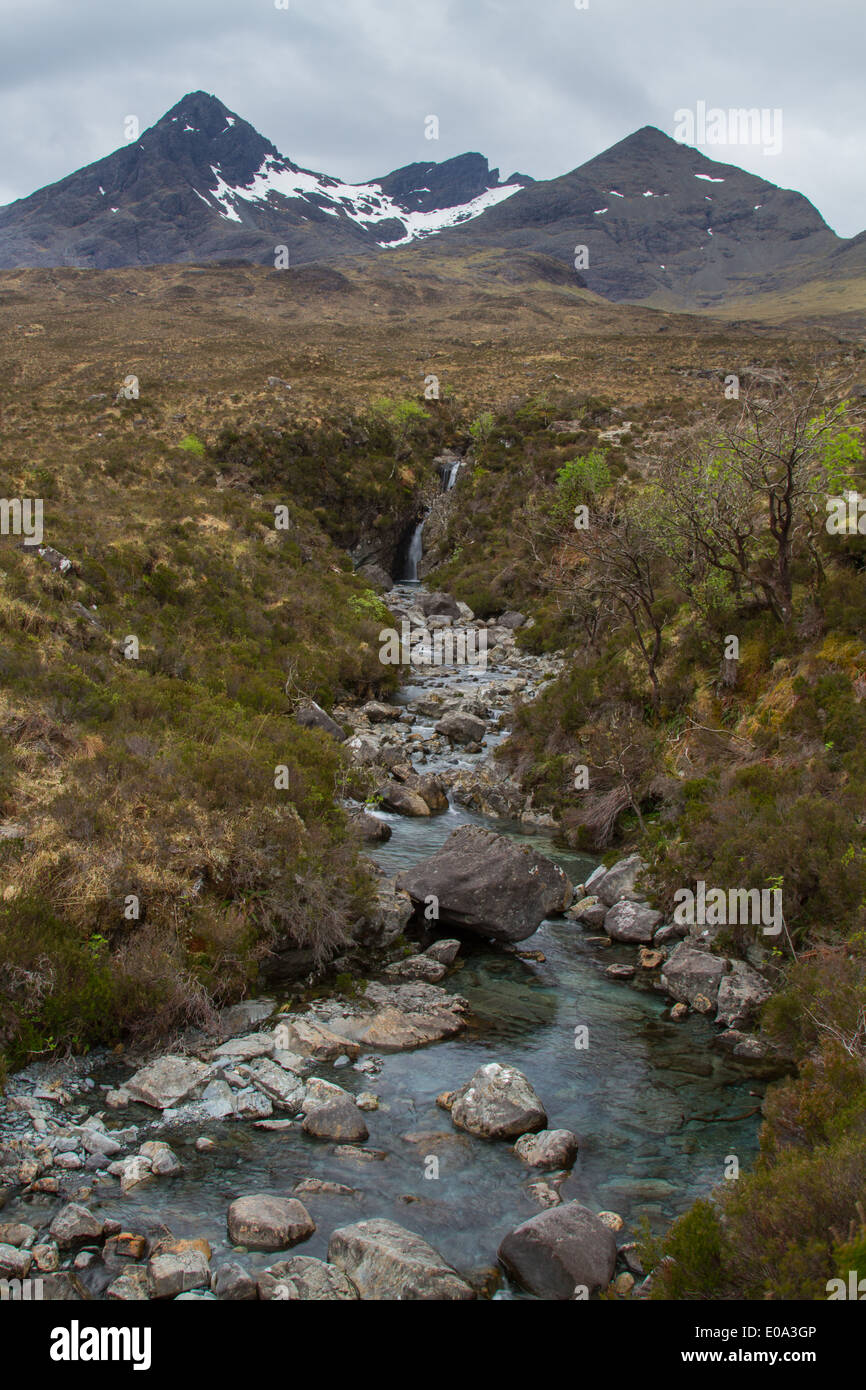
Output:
x=450 y=478
x=413 y=556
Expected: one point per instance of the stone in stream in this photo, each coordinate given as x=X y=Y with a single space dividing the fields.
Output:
x=310 y=1038
x=396 y=1018
x=74 y=1226
x=385 y=1261
x=416 y=968
x=171 y=1274
x=163 y=1160
x=371 y=829
x=560 y=1251
x=168 y=1081
x=268 y=1223
x=284 y=1088
x=305 y=1279
x=691 y=975
x=395 y=796
x=338 y=1120
x=550 y=1148
x=628 y=921
x=14 y=1263
x=18 y=1234
x=446 y=951
x=461 y=728
x=489 y=884
x=498 y=1103
x=233 y=1284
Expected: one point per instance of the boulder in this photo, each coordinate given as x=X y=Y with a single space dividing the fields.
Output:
x=511 y=619
x=306 y=1280
x=371 y=829
x=445 y=951
x=268 y=1223
x=439 y=605
x=14 y=1263
x=171 y=1274
x=628 y=921
x=395 y=796
x=233 y=1284
x=312 y=716
x=488 y=884
x=416 y=968
x=741 y=994
x=377 y=713
x=619 y=881
x=461 y=728
x=559 y=1251
x=168 y=1081
x=691 y=975
x=385 y=1261
x=338 y=1120
x=395 y=1018
x=284 y=1088
x=310 y=1038
x=74 y=1226
x=163 y=1160
x=498 y=1103
x=549 y=1148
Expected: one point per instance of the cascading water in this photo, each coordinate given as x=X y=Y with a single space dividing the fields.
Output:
x=450 y=478
x=413 y=555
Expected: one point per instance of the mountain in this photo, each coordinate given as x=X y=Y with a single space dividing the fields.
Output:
x=202 y=184
x=661 y=223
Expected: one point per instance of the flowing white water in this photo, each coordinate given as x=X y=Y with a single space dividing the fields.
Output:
x=413 y=558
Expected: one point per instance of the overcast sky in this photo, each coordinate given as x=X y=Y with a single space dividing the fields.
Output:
x=344 y=86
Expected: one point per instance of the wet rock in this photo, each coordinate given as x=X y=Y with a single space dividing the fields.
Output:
x=545 y=1194
x=14 y=1263
x=320 y=1187
x=395 y=796
x=488 y=884
x=498 y=1103
x=650 y=960
x=132 y=1286
x=445 y=951
x=620 y=972
x=396 y=1018
x=233 y=1284
x=416 y=968
x=612 y=1220
x=218 y=1100
x=164 y=1161
x=246 y=1048
x=310 y=1038
x=693 y=976
x=385 y=1261
x=307 y=1280
x=283 y=1088
x=549 y=1148
x=461 y=728
x=312 y=716
x=171 y=1274
x=628 y=921
x=74 y=1226
x=168 y=1081
x=560 y=1250
x=338 y=1120
x=371 y=829
x=741 y=993
x=269 y=1223
x=18 y=1234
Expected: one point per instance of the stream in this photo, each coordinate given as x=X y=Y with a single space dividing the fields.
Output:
x=656 y=1108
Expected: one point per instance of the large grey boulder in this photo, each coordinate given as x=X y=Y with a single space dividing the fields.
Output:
x=461 y=728
x=692 y=975
x=171 y=1274
x=168 y=1081
x=439 y=604
x=619 y=881
x=488 y=884
x=74 y=1225
x=385 y=1261
x=312 y=716
x=560 y=1251
x=741 y=994
x=550 y=1148
x=268 y=1223
x=628 y=921
x=498 y=1103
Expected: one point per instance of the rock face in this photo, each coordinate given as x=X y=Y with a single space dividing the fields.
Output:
x=498 y=1103
x=168 y=1081
x=487 y=884
x=385 y=1261
x=550 y=1148
x=690 y=974
x=560 y=1250
x=627 y=921
x=269 y=1223
x=741 y=994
